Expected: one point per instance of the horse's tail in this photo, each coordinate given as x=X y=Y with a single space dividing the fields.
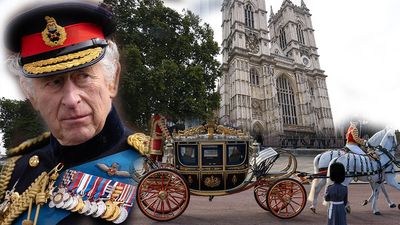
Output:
x=315 y=181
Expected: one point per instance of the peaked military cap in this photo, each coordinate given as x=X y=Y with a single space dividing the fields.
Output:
x=60 y=37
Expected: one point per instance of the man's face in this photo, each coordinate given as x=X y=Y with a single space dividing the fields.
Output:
x=74 y=105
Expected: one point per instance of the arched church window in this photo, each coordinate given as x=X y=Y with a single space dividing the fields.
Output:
x=286 y=101
x=300 y=34
x=249 y=16
x=311 y=89
x=282 y=38
x=254 y=78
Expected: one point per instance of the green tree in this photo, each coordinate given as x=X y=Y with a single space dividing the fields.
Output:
x=18 y=122
x=169 y=62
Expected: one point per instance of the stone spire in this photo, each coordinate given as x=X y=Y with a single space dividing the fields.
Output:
x=303 y=5
x=287 y=1
x=271 y=13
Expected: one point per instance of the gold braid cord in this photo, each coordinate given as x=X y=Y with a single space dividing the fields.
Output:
x=26 y=144
x=63 y=62
x=38 y=192
x=141 y=142
x=5 y=174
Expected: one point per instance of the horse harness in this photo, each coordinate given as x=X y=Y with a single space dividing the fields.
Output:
x=368 y=163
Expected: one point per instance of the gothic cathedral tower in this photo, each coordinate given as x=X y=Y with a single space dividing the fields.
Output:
x=272 y=83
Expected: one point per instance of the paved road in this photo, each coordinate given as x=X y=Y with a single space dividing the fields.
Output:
x=241 y=209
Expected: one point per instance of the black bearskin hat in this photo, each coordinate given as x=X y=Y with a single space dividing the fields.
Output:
x=337 y=172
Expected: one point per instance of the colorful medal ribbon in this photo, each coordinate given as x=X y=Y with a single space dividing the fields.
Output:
x=96 y=196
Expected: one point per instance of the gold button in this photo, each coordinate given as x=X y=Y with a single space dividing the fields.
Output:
x=34 y=161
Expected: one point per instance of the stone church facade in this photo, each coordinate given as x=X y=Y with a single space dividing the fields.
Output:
x=272 y=83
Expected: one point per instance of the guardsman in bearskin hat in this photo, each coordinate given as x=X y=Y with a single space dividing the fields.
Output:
x=353 y=141
x=336 y=195
x=81 y=171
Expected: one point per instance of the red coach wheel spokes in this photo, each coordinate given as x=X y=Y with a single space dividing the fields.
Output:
x=162 y=195
x=286 y=198
x=260 y=193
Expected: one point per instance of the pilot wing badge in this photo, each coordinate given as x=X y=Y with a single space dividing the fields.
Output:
x=113 y=170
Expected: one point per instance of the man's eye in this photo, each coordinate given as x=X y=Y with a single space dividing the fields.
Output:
x=82 y=77
x=54 y=83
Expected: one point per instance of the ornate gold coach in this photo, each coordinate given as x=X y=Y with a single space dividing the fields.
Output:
x=212 y=160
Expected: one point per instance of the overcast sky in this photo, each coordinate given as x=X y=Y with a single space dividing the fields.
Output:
x=357 y=42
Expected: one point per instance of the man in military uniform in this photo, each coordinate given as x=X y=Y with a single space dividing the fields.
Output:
x=81 y=171
x=353 y=141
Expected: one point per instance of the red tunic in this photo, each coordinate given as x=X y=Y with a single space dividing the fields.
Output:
x=352 y=136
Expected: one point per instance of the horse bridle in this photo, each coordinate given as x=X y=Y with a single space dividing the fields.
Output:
x=388 y=154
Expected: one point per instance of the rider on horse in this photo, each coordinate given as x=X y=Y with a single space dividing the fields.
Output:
x=354 y=142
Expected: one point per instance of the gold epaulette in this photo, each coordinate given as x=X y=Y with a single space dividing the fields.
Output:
x=24 y=146
x=5 y=174
x=141 y=142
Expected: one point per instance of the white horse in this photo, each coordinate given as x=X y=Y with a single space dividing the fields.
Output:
x=361 y=167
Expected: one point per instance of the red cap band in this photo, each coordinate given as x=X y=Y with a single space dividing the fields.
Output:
x=33 y=44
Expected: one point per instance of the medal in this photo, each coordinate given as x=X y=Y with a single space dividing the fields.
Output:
x=101 y=208
x=116 y=214
x=79 y=206
x=122 y=216
x=66 y=195
x=74 y=203
x=68 y=202
x=51 y=204
x=58 y=199
x=94 y=196
x=110 y=209
x=85 y=208
x=92 y=210
x=72 y=179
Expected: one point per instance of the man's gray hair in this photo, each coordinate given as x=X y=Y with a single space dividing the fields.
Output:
x=109 y=62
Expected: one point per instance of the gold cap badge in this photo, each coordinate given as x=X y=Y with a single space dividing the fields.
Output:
x=53 y=35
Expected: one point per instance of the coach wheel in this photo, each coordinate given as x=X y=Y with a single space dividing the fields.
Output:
x=286 y=198
x=163 y=195
x=260 y=193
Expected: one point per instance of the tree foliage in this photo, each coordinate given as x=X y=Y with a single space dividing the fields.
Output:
x=169 y=67
x=18 y=121
x=169 y=64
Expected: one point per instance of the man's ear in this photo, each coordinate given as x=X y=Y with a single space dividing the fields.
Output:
x=113 y=86
x=28 y=93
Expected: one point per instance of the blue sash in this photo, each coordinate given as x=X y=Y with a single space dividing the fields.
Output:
x=125 y=159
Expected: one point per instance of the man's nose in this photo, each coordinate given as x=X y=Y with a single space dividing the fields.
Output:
x=71 y=94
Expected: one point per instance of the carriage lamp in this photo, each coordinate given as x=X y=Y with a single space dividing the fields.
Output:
x=255 y=147
x=169 y=148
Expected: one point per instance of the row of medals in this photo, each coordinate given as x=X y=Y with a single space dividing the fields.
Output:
x=108 y=210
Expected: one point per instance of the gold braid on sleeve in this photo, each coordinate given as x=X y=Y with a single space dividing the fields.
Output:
x=357 y=139
x=5 y=174
x=20 y=149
